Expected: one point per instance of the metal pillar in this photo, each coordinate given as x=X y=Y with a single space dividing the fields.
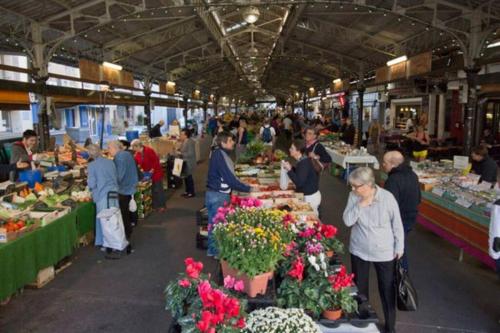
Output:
x=40 y=61
x=205 y=107
x=147 y=102
x=361 y=92
x=185 y=111
x=471 y=108
x=304 y=105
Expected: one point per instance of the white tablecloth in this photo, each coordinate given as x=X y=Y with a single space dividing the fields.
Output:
x=343 y=160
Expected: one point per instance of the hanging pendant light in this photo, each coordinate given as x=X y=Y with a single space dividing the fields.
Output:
x=251 y=14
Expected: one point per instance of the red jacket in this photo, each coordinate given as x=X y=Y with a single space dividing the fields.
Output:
x=149 y=160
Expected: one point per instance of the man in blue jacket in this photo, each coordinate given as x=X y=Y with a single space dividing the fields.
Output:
x=221 y=181
x=126 y=170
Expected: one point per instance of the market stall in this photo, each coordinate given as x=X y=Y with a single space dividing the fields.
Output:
x=456 y=207
x=22 y=258
x=275 y=255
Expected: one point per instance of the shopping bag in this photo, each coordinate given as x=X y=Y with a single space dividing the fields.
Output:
x=132 y=205
x=113 y=230
x=284 y=179
x=406 y=294
x=178 y=162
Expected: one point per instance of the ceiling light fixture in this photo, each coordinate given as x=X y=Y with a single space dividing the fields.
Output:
x=397 y=60
x=113 y=66
x=337 y=80
x=495 y=44
x=251 y=14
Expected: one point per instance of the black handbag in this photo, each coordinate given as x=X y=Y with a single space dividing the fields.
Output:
x=407 y=299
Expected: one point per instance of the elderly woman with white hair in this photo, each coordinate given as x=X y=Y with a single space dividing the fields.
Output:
x=377 y=237
x=148 y=161
x=102 y=179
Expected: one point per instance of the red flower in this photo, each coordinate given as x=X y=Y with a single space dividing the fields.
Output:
x=297 y=270
x=241 y=323
x=204 y=324
x=309 y=232
x=341 y=280
x=328 y=231
x=193 y=268
x=184 y=283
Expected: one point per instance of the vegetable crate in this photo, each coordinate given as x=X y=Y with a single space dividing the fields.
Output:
x=144 y=199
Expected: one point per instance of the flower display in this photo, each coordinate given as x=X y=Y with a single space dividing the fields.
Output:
x=297 y=270
x=341 y=279
x=276 y=320
x=252 y=240
x=193 y=268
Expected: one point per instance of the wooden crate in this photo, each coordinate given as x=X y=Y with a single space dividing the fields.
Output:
x=44 y=276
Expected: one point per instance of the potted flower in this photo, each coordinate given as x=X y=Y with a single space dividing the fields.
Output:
x=339 y=294
x=198 y=305
x=277 y=320
x=250 y=243
x=330 y=243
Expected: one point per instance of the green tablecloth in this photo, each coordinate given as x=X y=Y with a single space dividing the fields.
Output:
x=85 y=218
x=21 y=259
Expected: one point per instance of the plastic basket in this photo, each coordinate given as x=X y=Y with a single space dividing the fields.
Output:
x=31 y=177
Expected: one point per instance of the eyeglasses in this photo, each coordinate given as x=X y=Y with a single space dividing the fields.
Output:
x=355 y=187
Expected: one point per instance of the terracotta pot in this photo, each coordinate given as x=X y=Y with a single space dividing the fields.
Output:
x=329 y=253
x=253 y=286
x=332 y=314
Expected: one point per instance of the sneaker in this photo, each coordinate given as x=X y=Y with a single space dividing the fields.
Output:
x=185 y=194
x=190 y=195
x=113 y=255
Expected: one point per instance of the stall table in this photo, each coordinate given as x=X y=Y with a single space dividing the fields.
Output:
x=462 y=227
x=22 y=258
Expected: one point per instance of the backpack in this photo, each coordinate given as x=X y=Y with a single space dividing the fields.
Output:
x=267 y=135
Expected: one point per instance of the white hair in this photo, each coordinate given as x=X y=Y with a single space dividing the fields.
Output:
x=362 y=175
x=136 y=143
x=117 y=144
x=94 y=151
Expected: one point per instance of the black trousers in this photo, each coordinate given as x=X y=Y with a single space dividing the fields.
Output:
x=189 y=182
x=386 y=285
x=124 y=201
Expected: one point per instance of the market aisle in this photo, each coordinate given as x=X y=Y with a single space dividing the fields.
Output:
x=96 y=295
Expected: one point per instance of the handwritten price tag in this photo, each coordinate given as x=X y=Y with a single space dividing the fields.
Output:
x=463 y=203
x=438 y=191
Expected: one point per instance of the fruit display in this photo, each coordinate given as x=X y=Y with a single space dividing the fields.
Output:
x=144 y=199
x=82 y=196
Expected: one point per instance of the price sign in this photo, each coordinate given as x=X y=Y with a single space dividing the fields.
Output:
x=460 y=162
x=464 y=203
x=438 y=191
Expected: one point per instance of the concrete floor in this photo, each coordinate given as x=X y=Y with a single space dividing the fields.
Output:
x=98 y=295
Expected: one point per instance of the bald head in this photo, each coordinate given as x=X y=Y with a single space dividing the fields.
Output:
x=392 y=159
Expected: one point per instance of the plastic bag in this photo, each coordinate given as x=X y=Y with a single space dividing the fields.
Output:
x=112 y=229
x=132 y=205
x=284 y=179
x=407 y=299
x=177 y=170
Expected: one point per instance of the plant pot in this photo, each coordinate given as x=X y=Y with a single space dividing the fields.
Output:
x=253 y=286
x=329 y=253
x=332 y=314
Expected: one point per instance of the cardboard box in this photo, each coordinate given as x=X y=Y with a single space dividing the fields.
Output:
x=6 y=237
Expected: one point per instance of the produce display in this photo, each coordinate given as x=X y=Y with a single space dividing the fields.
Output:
x=144 y=199
x=452 y=185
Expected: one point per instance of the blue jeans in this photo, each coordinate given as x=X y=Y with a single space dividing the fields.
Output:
x=214 y=200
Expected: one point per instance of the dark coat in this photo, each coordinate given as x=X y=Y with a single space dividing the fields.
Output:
x=403 y=184
x=319 y=150
x=155 y=131
x=487 y=169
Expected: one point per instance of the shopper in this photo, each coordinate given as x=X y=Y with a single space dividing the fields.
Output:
x=188 y=154
x=241 y=137
x=212 y=126
x=6 y=169
x=347 y=131
x=494 y=235
x=148 y=161
x=374 y=133
x=267 y=133
x=303 y=175
x=156 y=130
x=126 y=170
x=484 y=165
x=102 y=179
x=377 y=237
x=287 y=127
x=314 y=148
x=420 y=142
x=404 y=186
x=24 y=150
x=221 y=181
